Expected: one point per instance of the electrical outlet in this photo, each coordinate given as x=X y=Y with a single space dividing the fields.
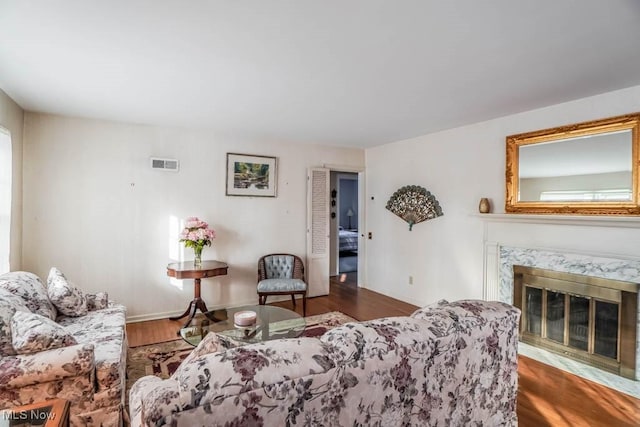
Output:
x=411 y=280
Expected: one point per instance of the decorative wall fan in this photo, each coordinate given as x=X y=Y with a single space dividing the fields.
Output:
x=414 y=204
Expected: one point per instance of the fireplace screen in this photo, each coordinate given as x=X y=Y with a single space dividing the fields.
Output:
x=589 y=319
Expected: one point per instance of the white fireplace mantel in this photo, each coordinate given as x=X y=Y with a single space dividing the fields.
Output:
x=579 y=220
x=614 y=237
x=602 y=246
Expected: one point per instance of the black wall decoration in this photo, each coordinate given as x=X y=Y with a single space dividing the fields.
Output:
x=334 y=194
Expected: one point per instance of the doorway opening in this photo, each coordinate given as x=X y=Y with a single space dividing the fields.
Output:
x=325 y=215
x=344 y=227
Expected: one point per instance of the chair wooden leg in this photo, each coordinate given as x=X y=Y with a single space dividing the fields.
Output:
x=262 y=299
x=293 y=301
x=304 y=305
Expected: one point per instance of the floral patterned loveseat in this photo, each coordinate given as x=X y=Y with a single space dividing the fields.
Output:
x=45 y=354
x=449 y=364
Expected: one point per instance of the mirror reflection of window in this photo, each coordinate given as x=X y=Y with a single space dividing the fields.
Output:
x=581 y=196
x=589 y=168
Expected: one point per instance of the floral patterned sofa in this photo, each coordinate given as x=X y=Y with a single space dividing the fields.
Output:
x=79 y=356
x=449 y=364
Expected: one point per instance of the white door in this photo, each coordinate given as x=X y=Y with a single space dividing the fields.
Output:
x=317 y=232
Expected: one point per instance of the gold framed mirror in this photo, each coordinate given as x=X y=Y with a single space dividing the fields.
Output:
x=588 y=168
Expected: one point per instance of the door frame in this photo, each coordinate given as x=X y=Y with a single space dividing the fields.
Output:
x=361 y=216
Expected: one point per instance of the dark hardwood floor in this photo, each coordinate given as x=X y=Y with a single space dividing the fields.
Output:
x=547 y=396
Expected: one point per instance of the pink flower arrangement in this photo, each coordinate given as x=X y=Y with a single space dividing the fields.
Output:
x=196 y=233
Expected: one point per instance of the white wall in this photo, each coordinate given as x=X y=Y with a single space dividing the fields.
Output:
x=12 y=119
x=459 y=166
x=6 y=171
x=95 y=209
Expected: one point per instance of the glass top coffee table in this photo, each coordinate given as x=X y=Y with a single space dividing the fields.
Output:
x=271 y=323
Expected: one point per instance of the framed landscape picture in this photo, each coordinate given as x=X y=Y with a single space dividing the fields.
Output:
x=249 y=175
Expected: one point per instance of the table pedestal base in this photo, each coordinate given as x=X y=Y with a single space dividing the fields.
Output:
x=186 y=270
x=195 y=305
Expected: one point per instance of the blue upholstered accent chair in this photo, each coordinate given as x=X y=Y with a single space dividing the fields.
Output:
x=282 y=274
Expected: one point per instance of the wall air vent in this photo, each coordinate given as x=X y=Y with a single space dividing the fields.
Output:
x=171 y=165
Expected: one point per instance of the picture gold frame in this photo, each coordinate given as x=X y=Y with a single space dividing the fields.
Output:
x=626 y=124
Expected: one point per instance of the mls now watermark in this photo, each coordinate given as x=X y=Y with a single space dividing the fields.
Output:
x=37 y=416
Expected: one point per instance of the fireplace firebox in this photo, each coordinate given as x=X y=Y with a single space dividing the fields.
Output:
x=586 y=318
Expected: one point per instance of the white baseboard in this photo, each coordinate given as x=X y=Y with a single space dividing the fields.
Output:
x=153 y=316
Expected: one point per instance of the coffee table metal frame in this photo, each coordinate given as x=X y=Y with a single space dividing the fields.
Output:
x=271 y=323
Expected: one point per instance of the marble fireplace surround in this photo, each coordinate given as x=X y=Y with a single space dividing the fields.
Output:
x=513 y=249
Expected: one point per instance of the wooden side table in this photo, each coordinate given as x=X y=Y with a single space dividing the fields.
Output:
x=186 y=270
x=48 y=413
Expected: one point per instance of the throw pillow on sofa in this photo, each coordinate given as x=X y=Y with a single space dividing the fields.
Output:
x=32 y=333
x=9 y=304
x=211 y=343
x=30 y=288
x=97 y=301
x=68 y=299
